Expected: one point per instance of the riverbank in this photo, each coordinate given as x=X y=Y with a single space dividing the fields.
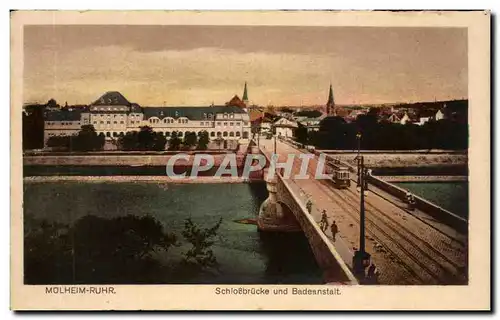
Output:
x=389 y=160
x=117 y=160
x=138 y=179
x=424 y=178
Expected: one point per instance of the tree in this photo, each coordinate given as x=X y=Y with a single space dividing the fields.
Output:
x=301 y=134
x=59 y=142
x=52 y=103
x=129 y=141
x=146 y=138
x=286 y=110
x=87 y=140
x=308 y=113
x=159 y=142
x=203 y=140
x=33 y=126
x=175 y=142
x=190 y=139
x=200 y=255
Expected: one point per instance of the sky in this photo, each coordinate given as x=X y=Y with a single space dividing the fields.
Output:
x=200 y=65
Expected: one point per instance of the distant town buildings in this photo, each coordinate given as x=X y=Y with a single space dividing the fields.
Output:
x=112 y=116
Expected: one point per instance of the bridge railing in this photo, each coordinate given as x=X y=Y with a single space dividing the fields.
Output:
x=437 y=212
x=327 y=256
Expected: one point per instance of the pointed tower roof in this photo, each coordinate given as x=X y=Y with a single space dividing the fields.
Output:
x=113 y=98
x=236 y=101
x=245 y=93
x=330 y=97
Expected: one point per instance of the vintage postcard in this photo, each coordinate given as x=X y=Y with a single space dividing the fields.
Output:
x=299 y=160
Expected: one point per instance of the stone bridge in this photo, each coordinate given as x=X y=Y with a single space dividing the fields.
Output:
x=284 y=211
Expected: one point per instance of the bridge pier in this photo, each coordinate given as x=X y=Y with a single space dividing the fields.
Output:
x=273 y=215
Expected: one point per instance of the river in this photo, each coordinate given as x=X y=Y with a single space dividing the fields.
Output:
x=452 y=196
x=244 y=255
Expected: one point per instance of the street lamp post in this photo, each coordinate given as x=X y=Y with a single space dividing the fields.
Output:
x=358 y=137
x=274 y=144
x=258 y=138
x=361 y=258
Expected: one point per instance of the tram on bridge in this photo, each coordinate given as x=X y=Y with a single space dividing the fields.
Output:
x=340 y=174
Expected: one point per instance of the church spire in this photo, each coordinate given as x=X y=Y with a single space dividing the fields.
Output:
x=330 y=105
x=245 y=94
x=330 y=102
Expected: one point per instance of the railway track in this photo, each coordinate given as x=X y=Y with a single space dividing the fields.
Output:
x=414 y=254
x=424 y=275
x=451 y=237
x=451 y=269
x=431 y=270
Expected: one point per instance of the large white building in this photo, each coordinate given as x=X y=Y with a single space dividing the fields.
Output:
x=112 y=115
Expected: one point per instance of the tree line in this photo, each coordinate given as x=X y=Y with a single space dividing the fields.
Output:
x=337 y=134
x=117 y=250
x=146 y=139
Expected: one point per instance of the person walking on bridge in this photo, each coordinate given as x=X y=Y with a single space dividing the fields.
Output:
x=323 y=224
x=334 y=229
x=309 y=205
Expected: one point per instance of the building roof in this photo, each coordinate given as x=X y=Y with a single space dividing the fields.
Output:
x=192 y=113
x=285 y=123
x=64 y=115
x=236 y=101
x=111 y=98
x=255 y=114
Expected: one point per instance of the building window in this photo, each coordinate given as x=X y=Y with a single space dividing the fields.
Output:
x=108 y=134
x=218 y=124
x=121 y=122
x=231 y=134
x=115 y=134
x=219 y=134
x=108 y=122
x=245 y=123
x=238 y=124
x=179 y=134
x=167 y=134
x=224 y=134
x=95 y=122
x=231 y=123
x=212 y=134
x=231 y=116
x=179 y=121
x=237 y=133
x=225 y=124
x=202 y=123
x=115 y=122
x=102 y=122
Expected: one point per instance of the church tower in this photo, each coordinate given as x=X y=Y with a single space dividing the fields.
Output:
x=245 y=95
x=330 y=105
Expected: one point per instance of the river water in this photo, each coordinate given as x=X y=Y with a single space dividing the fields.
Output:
x=452 y=196
x=244 y=255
